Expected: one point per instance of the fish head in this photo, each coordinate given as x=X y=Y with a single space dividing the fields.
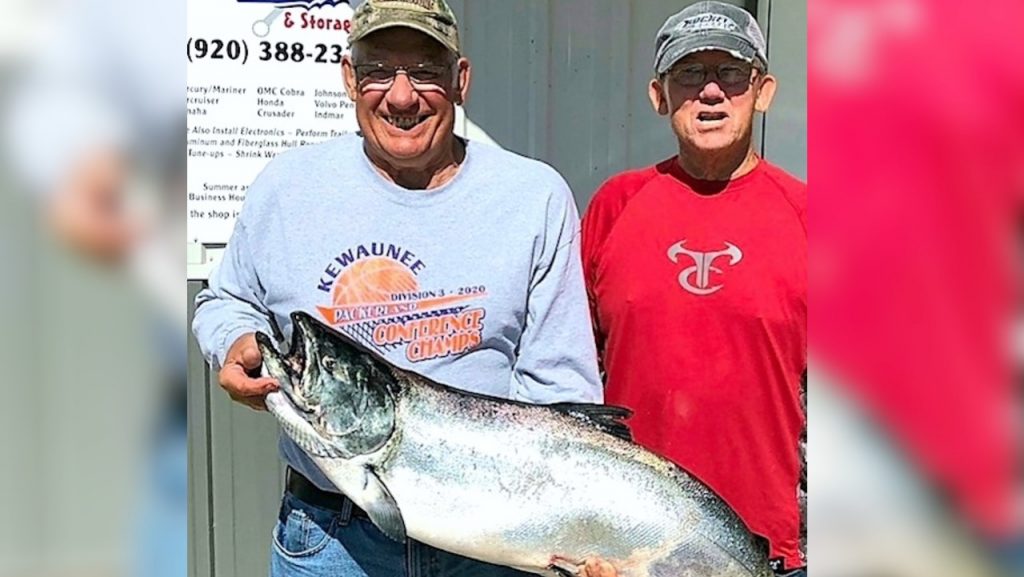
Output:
x=342 y=389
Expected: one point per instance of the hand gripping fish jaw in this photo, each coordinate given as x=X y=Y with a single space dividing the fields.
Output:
x=338 y=386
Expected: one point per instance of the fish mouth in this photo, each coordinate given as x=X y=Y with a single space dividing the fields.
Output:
x=274 y=364
x=302 y=344
x=302 y=364
x=286 y=370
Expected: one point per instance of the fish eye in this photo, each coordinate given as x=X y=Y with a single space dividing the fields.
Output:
x=328 y=363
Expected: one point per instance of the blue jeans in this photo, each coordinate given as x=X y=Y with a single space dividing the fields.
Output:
x=310 y=541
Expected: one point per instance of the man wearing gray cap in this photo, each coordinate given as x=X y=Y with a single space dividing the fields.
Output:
x=402 y=212
x=696 y=270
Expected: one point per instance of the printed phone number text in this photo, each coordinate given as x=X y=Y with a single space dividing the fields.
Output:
x=238 y=51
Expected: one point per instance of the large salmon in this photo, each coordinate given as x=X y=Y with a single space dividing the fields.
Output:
x=538 y=488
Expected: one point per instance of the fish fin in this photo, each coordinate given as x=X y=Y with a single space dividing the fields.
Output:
x=607 y=418
x=382 y=509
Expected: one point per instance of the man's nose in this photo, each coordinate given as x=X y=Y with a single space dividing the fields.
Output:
x=712 y=91
x=402 y=94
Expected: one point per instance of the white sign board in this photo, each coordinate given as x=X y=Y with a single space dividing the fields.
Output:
x=263 y=76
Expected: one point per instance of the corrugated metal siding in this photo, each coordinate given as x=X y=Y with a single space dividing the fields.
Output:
x=564 y=81
x=235 y=476
x=785 y=125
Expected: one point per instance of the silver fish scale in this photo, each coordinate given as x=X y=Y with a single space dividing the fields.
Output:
x=511 y=484
x=536 y=484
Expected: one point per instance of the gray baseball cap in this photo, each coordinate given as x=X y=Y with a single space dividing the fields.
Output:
x=709 y=25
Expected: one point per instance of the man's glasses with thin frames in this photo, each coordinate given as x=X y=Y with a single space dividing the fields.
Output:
x=381 y=76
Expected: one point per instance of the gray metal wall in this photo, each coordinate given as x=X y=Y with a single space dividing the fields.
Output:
x=566 y=81
x=559 y=80
x=235 y=477
x=784 y=134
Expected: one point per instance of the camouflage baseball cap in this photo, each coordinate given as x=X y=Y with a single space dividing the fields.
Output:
x=709 y=25
x=431 y=17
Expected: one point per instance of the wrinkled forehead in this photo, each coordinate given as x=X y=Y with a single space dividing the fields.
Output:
x=401 y=46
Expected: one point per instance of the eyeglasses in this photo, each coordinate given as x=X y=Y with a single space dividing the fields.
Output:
x=726 y=73
x=380 y=76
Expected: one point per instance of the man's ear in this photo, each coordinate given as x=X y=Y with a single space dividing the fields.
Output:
x=348 y=74
x=656 y=92
x=765 y=93
x=462 y=76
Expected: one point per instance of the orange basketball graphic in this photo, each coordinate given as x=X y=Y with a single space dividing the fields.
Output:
x=373 y=280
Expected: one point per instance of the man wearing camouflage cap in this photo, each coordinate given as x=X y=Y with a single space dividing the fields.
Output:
x=696 y=269
x=403 y=209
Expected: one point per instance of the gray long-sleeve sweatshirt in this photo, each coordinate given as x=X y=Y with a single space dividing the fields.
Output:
x=476 y=284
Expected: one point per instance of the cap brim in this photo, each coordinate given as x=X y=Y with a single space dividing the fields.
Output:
x=399 y=24
x=714 y=40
